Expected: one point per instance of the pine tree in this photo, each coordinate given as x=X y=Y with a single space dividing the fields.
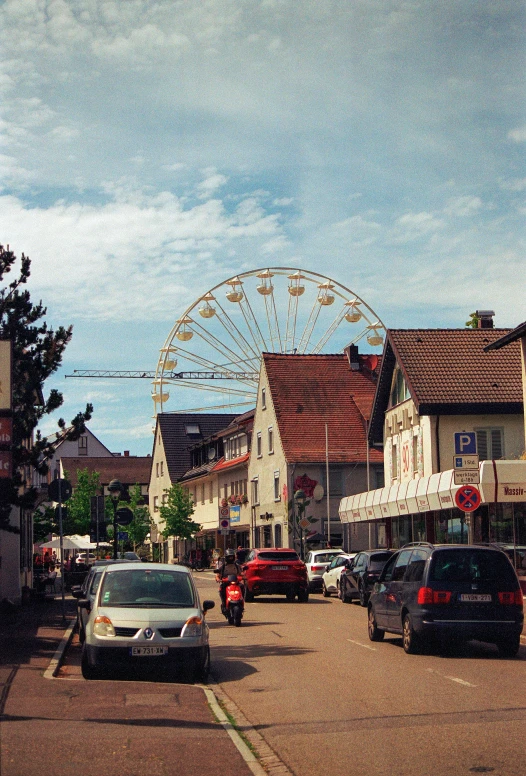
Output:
x=37 y=354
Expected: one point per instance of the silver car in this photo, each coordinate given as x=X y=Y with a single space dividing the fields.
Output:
x=146 y=615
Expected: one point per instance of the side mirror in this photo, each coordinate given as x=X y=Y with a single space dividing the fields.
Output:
x=84 y=603
x=208 y=605
x=76 y=591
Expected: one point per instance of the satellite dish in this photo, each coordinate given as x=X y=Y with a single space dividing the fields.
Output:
x=211 y=453
x=318 y=492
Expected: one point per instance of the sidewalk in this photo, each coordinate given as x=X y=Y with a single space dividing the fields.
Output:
x=116 y=728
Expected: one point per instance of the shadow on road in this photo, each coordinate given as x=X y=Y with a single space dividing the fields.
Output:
x=472 y=650
x=232 y=663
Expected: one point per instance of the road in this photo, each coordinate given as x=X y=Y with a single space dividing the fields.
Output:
x=329 y=701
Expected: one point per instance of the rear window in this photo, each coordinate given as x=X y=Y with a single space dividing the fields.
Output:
x=324 y=557
x=278 y=556
x=378 y=561
x=472 y=565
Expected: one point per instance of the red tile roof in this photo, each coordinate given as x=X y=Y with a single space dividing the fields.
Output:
x=450 y=366
x=130 y=470
x=311 y=391
x=222 y=464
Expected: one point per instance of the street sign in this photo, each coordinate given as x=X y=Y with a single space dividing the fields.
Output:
x=467 y=477
x=224 y=511
x=122 y=536
x=225 y=531
x=465 y=442
x=224 y=523
x=467 y=498
x=124 y=516
x=466 y=462
x=304 y=523
x=59 y=490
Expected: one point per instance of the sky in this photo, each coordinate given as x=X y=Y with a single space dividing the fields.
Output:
x=152 y=149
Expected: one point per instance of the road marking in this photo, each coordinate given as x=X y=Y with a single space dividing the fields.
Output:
x=359 y=644
x=451 y=678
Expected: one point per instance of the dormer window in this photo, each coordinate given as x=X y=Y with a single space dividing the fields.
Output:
x=192 y=429
x=399 y=389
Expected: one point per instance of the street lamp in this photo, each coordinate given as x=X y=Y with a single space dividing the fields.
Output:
x=115 y=488
x=299 y=501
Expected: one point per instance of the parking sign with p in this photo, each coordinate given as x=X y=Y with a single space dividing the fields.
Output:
x=465 y=443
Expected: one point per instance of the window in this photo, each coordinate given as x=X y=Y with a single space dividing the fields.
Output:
x=210 y=491
x=335 y=481
x=399 y=389
x=255 y=491
x=258 y=445
x=263 y=399
x=192 y=429
x=379 y=478
x=270 y=440
x=203 y=493
x=401 y=565
x=83 y=445
x=276 y=487
x=415 y=570
x=490 y=443
x=156 y=469
x=156 y=503
x=277 y=535
x=415 y=453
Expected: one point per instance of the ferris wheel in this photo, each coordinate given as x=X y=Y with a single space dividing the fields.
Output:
x=215 y=346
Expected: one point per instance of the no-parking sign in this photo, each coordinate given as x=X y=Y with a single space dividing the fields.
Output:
x=468 y=498
x=224 y=523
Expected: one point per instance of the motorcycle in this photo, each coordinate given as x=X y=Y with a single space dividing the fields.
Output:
x=234 y=604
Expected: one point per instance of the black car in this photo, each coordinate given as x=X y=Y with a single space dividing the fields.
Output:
x=361 y=573
x=433 y=593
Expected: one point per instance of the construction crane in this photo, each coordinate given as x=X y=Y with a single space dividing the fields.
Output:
x=150 y=375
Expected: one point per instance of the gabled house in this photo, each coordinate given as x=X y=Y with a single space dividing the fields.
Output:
x=175 y=436
x=86 y=446
x=311 y=420
x=130 y=470
x=433 y=384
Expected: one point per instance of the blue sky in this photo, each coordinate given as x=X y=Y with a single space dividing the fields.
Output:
x=150 y=150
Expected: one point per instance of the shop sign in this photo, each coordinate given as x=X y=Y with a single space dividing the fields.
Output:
x=6 y=431
x=5 y=374
x=5 y=464
x=423 y=503
x=511 y=491
x=235 y=514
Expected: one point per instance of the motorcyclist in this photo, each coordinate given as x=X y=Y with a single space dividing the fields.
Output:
x=227 y=567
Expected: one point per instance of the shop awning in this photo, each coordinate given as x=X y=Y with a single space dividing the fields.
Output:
x=500 y=481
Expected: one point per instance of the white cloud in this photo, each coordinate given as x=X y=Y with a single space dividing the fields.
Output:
x=413 y=226
x=211 y=184
x=462 y=206
x=518 y=135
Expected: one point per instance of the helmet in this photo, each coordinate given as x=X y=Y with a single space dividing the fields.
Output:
x=230 y=554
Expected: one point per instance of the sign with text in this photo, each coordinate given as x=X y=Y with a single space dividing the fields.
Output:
x=6 y=431
x=466 y=477
x=465 y=443
x=5 y=374
x=235 y=514
x=466 y=462
x=5 y=464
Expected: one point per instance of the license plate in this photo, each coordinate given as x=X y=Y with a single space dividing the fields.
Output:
x=148 y=651
x=473 y=598
x=280 y=568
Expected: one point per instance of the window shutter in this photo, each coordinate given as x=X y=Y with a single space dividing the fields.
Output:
x=482 y=445
x=496 y=443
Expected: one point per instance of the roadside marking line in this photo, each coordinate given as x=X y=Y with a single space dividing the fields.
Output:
x=451 y=678
x=248 y=756
x=359 y=644
x=56 y=661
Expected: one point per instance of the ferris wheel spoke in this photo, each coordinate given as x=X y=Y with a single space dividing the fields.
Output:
x=292 y=316
x=309 y=327
x=211 y=366
x=230 y=327
x=250 y=320
x=215 y=407
x=212 y=388
x=330 y=331
x=273 y=323
x=212 y=340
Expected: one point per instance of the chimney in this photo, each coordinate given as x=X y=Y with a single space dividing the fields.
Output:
x=485 y=318
x=351 y=351
x=126 y=453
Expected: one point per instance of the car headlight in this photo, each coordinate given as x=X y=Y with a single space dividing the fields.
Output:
x=193 y=627
x=103 y=626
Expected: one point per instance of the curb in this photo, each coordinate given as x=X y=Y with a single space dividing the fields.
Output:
x=56 y=661
x=267 y=760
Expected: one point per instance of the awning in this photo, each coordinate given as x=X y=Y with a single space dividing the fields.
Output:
x=500 y=481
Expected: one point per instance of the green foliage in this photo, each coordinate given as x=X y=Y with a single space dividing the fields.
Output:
x=473 y=322
x=37 y=354
x=77 y=520
x=176 y=513
x=43 y=523
x=139 y=528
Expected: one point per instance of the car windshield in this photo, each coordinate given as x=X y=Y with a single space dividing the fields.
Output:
x=377 y=562
x=324 y=557
x=477 y=565
x=147 y=587
x=278 y=556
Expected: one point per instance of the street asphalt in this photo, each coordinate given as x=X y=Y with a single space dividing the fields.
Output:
x=70 y=726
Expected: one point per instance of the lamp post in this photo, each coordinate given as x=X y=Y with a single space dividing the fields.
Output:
x=299 y=500
x=115 y=488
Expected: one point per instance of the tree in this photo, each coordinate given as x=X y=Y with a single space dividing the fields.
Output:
x=176 y=513
x=78 y=515
x=473 y=322
x=37 y=354
x=139 y=528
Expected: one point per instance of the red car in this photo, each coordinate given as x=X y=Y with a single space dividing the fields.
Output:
x=276 y=570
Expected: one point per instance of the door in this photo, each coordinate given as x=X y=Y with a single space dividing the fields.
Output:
x=394 y=594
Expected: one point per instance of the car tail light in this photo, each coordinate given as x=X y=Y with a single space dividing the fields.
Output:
x=317 y=568
x=513 y=597
x=426 y=596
